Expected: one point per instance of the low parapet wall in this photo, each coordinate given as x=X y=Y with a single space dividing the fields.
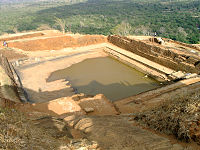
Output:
x=165 y=57
x=31 y=35
x=57 y=42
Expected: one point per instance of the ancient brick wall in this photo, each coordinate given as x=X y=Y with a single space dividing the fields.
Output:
x=159 y=55
x=185 y=44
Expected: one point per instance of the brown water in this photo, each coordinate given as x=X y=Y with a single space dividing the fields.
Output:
x=106 y=76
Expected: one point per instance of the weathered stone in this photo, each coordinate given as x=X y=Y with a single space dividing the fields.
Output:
x=117 y=133
x=192 y=60
x=100 y=104
x=76 y=134
x=178 y=74
x=75 y=97
x=159 y=40
x=177 y=147
x=88 y=110
x=83 y=144
x=177 y=59
x=7 y=82
x=144 y=49
x=192 y=75
x=197 y=65
x=61 y=106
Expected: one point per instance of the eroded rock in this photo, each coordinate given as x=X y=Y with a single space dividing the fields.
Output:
x=88 y=110
x=100 y=104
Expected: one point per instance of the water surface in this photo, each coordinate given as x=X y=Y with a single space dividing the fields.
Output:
x=106 y=76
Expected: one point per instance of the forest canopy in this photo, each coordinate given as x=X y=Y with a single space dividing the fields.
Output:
x=175 y=19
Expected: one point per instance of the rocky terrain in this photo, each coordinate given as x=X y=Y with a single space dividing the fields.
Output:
x=23 y=131
x=178 y=116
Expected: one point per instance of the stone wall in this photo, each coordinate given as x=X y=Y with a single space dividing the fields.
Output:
x=165 y=57
x=8 y=86
x=184 y=44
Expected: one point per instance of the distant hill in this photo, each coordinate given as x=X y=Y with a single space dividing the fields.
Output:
x=35 y=1
x=14 y=1
x=174 y=19
x=22 y=1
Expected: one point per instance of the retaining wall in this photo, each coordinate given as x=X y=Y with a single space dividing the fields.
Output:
x=165 y=57
x=184 y=44
x=8 y=87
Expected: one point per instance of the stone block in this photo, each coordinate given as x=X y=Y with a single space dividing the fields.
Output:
x=88 y=110
x=100 y=104
x=59 y=107
x=192 y=60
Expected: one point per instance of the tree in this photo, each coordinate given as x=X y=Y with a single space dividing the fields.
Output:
x=181 y=34
x=182 y=31
x=15 y=30
x=122 y=29
x=82 y=24
x=61 y=23
x=142 y=30
x=162 y=30
x=44 y=27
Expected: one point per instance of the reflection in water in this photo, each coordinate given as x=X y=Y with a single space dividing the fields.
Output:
x=107 y=76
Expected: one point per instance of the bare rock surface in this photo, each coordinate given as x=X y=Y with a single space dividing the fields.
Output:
x=117 y=133
x=99 y=105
